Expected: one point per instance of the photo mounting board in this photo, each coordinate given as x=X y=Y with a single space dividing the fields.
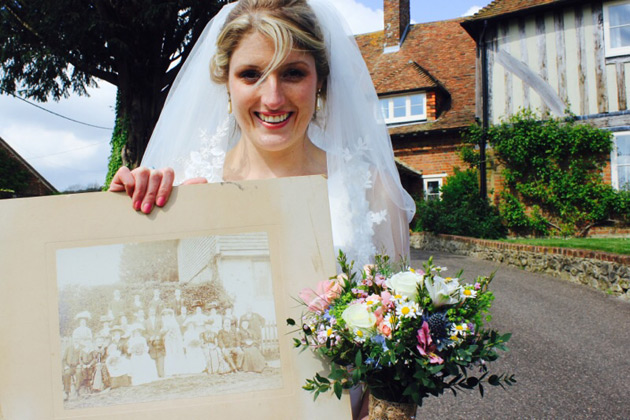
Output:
x=293 y=212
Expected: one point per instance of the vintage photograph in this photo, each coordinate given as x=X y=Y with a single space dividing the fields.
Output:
x=185 y=318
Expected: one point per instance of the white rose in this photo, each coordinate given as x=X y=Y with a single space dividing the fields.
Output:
x=405 y=283
x=443 y=291
x=358 y=316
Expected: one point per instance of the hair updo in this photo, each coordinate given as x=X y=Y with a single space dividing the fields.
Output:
x=288 y=23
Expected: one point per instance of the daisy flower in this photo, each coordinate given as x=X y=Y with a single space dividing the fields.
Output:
x=459 y=330
x=407 y=310
x=468 y=293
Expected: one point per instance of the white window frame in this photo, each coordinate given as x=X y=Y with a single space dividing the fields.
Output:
x=610 y=51
x=614 y=172
x=390 y=119
x=432 y=178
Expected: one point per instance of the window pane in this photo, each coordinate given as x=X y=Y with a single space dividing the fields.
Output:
x=385 y=108
x=400 y=107
x=623 y=150
x=620 y=37
x=417 y=105
x=619 y=14
x=623 y=174
x=433 y=187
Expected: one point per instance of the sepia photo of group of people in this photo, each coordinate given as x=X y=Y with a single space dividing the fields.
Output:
x=135 y=340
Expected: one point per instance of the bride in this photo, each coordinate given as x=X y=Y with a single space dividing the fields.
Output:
x=287 y=93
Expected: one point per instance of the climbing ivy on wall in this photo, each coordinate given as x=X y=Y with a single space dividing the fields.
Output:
x=552 y=171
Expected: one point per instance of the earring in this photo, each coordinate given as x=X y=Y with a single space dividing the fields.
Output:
x=229 y=105
x=319 y=104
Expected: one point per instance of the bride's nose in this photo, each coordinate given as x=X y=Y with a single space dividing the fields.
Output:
x=272 y=95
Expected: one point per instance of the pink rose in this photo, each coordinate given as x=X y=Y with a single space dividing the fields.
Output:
x=318 y=300
x=384 y=329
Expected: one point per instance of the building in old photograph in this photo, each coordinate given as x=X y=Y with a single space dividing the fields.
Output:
x=239 y=262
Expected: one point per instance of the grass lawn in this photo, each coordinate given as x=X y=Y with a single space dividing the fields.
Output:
x=615 y=245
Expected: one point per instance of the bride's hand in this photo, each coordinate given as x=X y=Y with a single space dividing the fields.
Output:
x=146 y=187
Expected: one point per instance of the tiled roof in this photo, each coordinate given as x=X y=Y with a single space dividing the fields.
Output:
x=433 y=54
x=503 y=7
x=398 y=73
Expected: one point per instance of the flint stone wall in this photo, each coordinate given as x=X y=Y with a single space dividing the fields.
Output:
x=601 y=270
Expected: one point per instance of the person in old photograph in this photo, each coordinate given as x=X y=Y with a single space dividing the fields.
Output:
x=155 y=341
x=215 y=361
x=100 y=379
x=136 y=305
x=138 y=319
x=117 y=340
x=198 y=317
x=142 y=368
x=118 y=367
x=195 y=357
x=177 y=302
x=156 y=302
x=116 y=306
x=253 y=359
x=229 y=343
x=105 y=330
x=85 y=370
x=174 y=354
x=253 y=323
x=182 y=317
x=125 y=327
x=215 y=320
x=71 y=372
x=82 y=333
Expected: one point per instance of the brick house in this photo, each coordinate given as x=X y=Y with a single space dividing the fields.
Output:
x=552 y=55
x=30 y=183
x=424 y=75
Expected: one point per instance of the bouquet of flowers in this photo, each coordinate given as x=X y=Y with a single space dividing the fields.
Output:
x=405 y=334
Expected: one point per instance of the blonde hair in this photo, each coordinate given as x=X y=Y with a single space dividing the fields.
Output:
x=288 y=23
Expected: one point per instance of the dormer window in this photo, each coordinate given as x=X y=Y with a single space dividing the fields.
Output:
x=617 y=28
x=404 y=108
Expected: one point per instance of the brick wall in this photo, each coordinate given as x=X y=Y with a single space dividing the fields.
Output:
x=430 y=153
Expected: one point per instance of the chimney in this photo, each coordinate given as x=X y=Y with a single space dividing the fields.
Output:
x=397 y=19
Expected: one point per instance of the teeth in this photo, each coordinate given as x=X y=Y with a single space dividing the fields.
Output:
x=274 y=118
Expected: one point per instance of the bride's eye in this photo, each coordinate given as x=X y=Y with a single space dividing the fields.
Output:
x=294 y=74
x=251 y=76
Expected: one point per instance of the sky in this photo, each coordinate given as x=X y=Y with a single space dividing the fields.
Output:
x=73 y=155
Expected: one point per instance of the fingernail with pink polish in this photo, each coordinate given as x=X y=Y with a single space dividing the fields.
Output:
x=136 y=205
x=160 y=201
x=146 y=208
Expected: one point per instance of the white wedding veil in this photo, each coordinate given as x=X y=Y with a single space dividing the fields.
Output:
x=370 y=210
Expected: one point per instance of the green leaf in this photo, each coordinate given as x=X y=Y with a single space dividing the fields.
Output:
x=338 y=389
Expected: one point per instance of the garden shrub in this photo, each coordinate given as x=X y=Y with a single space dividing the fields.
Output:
x=553 y=174
x=460 y=210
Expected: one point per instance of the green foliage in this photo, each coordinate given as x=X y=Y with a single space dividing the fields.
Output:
x=552 y=171
x=460 y=210
x=117 y=143
x=13 y=177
